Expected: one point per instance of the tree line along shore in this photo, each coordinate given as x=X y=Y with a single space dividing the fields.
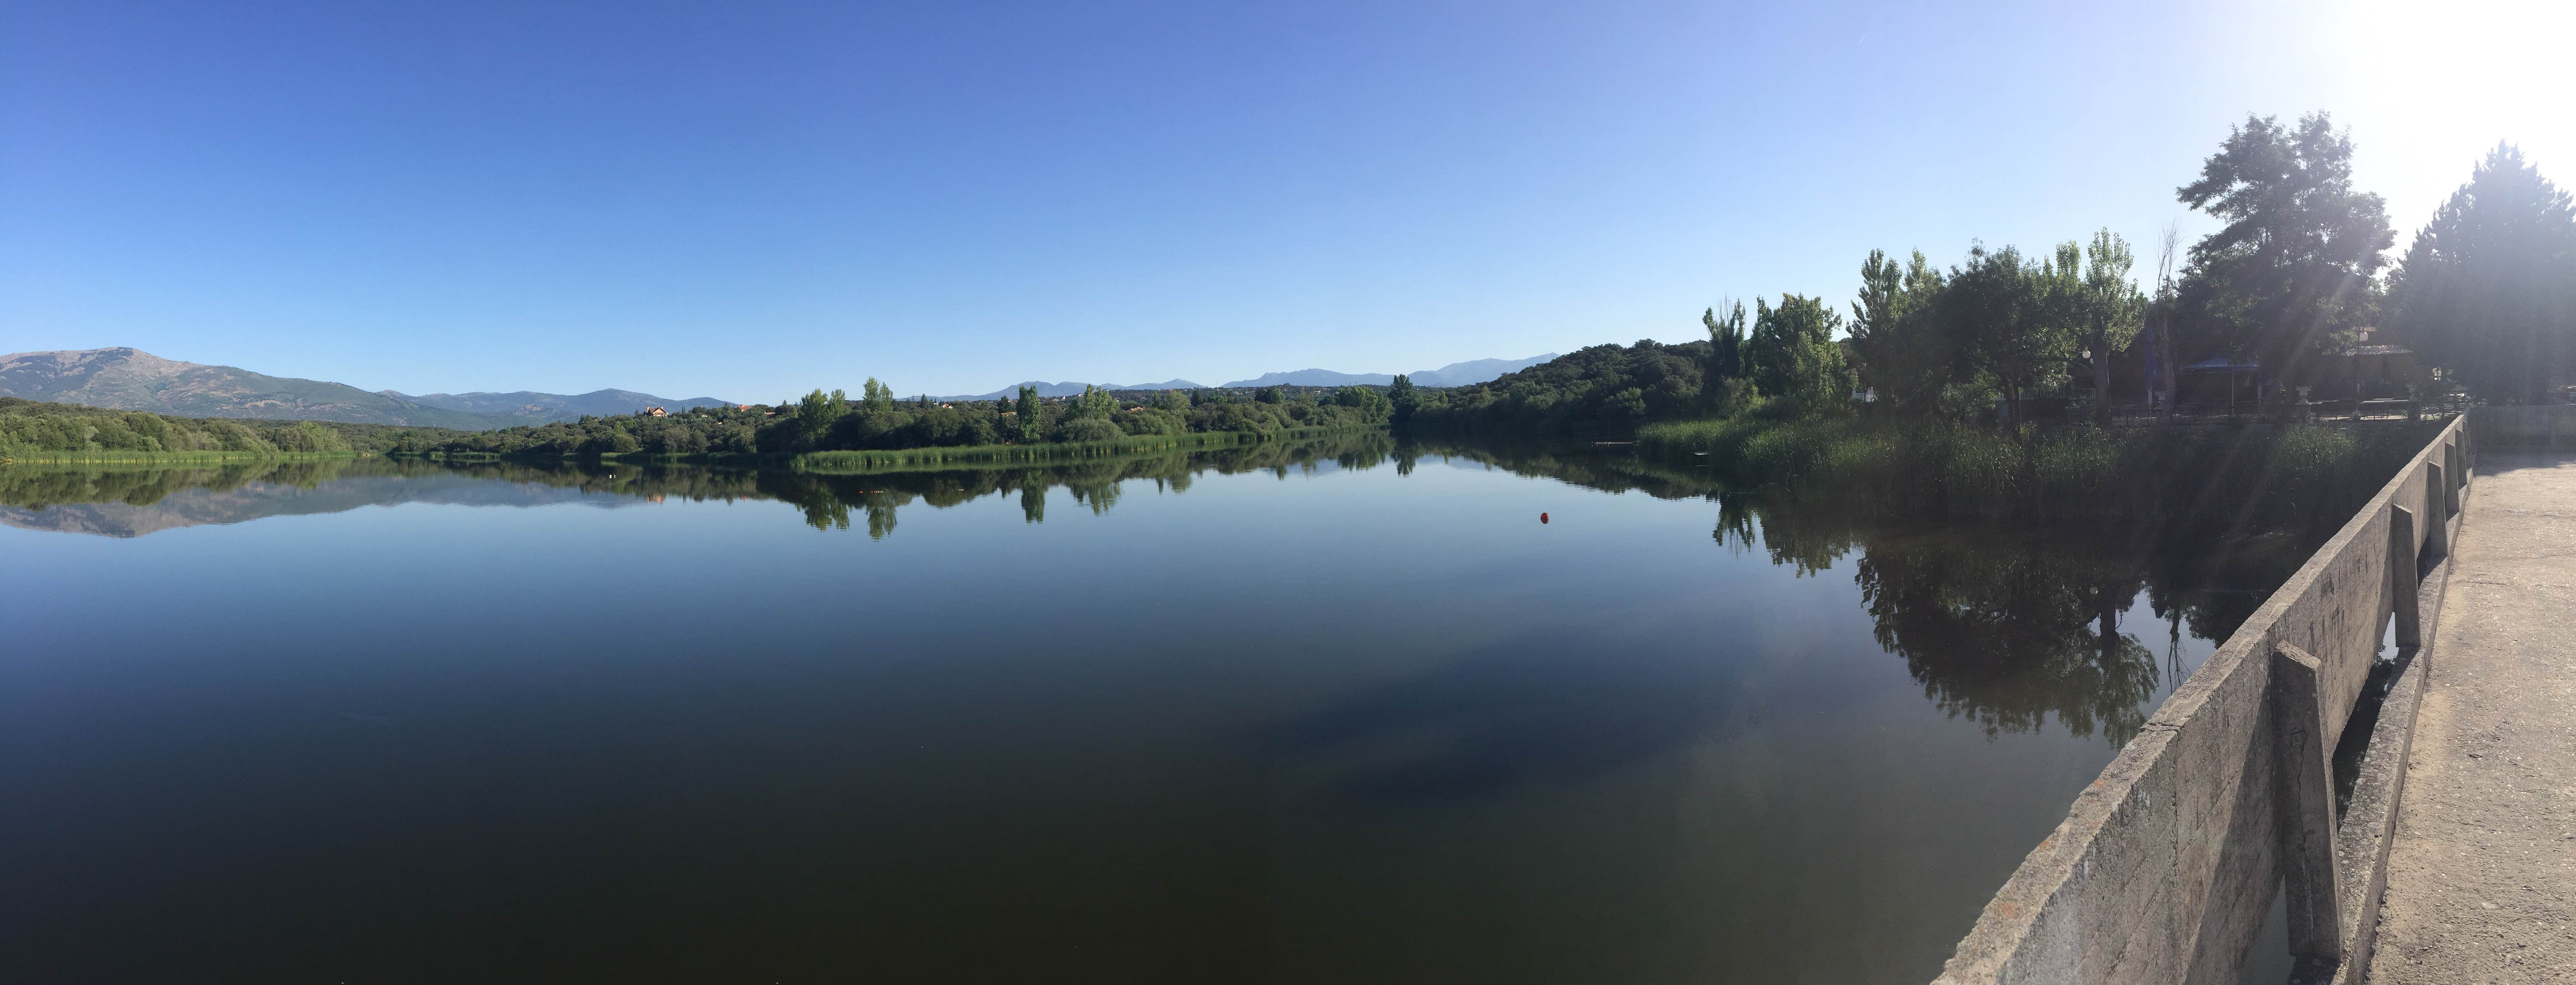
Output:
x=2290 y=301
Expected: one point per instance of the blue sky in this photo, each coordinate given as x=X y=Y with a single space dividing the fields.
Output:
x=746 y=200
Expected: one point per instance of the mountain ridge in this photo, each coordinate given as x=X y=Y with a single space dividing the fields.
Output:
x=126 y=378
x=1465 y=373
x=554 y=406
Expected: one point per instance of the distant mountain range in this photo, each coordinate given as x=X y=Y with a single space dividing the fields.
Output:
x=131 y=379
x=532 y=405
x=1454 y=374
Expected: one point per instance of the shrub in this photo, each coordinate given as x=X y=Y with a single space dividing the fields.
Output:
x=1091 y=429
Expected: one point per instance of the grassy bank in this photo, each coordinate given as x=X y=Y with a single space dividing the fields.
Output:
x=2257 y=476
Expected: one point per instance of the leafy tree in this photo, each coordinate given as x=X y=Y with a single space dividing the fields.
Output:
x=307 y=437
x=1094 y=403
x=877 y=397
x=1090 y=429
x=2292 y=273
x=816 y=412
x=1402 y=397
x=1997 y=311
x=1792 y=354
x=1896 y=333
x=1372 y=405
x=2488 y=289
x=2108 y=310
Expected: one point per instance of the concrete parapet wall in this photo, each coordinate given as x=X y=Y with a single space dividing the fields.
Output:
x=2536 y=426
x=2369 y=823
x=2164 y=868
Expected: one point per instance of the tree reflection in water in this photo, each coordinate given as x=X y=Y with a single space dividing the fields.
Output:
x=2004 y=624
x=2007 y=625
x=827 y=499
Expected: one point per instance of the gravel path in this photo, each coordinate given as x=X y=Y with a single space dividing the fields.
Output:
x=2482 y=877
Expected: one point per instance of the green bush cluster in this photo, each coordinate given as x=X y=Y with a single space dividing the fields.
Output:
x=38 y=429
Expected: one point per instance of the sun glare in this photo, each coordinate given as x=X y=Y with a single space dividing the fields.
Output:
x=2430 y=86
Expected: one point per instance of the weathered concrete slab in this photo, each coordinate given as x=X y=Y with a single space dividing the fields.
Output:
x=2481 y=884
x=2369 y=825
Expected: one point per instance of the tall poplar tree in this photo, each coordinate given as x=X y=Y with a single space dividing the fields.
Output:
x=1031 y=417
x=2109 y=310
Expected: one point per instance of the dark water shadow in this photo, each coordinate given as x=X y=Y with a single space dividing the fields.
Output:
x=1542 y=708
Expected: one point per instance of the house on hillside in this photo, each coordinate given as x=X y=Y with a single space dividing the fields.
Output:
x=654 y=412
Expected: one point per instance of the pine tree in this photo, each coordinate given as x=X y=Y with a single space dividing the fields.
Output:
x=2488 y=288
x=2291 y=275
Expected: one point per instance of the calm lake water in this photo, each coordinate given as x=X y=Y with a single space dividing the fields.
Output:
x=1335 y=712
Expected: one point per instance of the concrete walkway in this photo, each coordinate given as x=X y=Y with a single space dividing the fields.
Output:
x=2482 y=875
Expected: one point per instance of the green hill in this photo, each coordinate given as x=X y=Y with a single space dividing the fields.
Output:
x=130 y=379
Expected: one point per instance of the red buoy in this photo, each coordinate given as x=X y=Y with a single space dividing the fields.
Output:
x=1542 y=518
